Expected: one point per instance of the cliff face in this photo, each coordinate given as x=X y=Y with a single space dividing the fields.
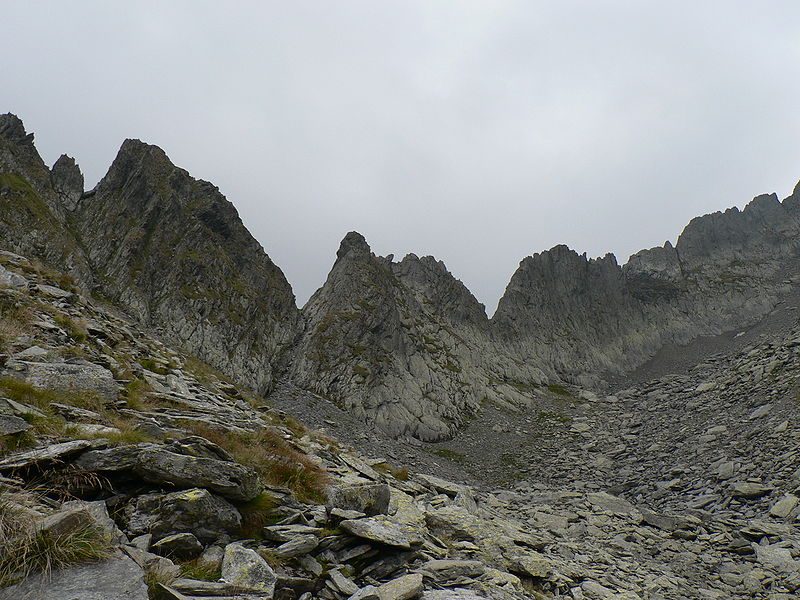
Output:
x=588 y=317
x=31 y=213
x=167 y=248
x=172 y=250
x=384 y=340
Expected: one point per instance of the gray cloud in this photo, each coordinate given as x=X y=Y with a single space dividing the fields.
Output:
x=479 y=132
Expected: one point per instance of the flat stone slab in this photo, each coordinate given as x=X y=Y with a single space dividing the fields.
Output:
x=402 y=588
x=378 y=530
x=117 y=578
x=10 y=425
x=44 y=455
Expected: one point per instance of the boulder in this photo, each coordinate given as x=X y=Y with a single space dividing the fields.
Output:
x=196 y=511
x=180 y=545
x=10 y=425
x=43 y=456
x=378 y=530
x=244 y=568
x=157 y=464
x=368 y=498
x=402 y=588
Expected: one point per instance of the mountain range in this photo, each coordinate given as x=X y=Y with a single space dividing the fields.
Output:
x=400 y=344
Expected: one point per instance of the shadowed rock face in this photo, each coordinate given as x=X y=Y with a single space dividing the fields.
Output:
x=174 y=252
x=31 y=213
x=385 y=340
x=587 y=317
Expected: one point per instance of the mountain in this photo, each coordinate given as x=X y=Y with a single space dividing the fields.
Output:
x=401 y=344
x=163 y=246
x=591 y=317
x=173 y=252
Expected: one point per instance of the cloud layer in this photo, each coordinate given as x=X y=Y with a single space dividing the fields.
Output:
x=479 y=132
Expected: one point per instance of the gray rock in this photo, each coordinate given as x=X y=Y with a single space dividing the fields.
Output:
x=117 y=578
x=43 y=456
x=344 y=584
x=9 y=425
x=402 y=588
x=244 y=568
x=368 y=498
x=156 y=464
x=211 y=558
x=180 y=545
x=297 y=546
x=67 y=377
x=378 y=530
x=196 y=511
x=447 y=569
x=750 y=491
x=452 y=594
x=368 y=592
x=783 y=507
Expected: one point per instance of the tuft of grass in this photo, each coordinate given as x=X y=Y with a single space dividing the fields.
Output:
x=399 y=473
x=275 y=459
x=197 y=569
x=154 y=366
x=136 y=394
x=32 y=551
x=273 y=560
x=22 y=391
x=74 y=328
x=258 y=513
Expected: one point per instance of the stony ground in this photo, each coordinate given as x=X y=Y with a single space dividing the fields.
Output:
x=669 y=486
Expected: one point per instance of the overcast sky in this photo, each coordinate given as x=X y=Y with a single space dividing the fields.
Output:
x=478 y=132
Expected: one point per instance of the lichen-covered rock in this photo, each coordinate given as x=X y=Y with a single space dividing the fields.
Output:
x=244 y=568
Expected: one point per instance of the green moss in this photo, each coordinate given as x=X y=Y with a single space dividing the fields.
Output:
x=558 y=389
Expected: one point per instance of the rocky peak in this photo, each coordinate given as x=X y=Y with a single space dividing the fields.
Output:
x=67 y=181
x=430 y=280
x=377 y=342
x=353 y=243
x=12 y=129
x=175 y=253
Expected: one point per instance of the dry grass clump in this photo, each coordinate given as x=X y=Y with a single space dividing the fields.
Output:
x=15 y=320
x=275 y=459
x=76 y=329
x=25 y=550
x=24 y=392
